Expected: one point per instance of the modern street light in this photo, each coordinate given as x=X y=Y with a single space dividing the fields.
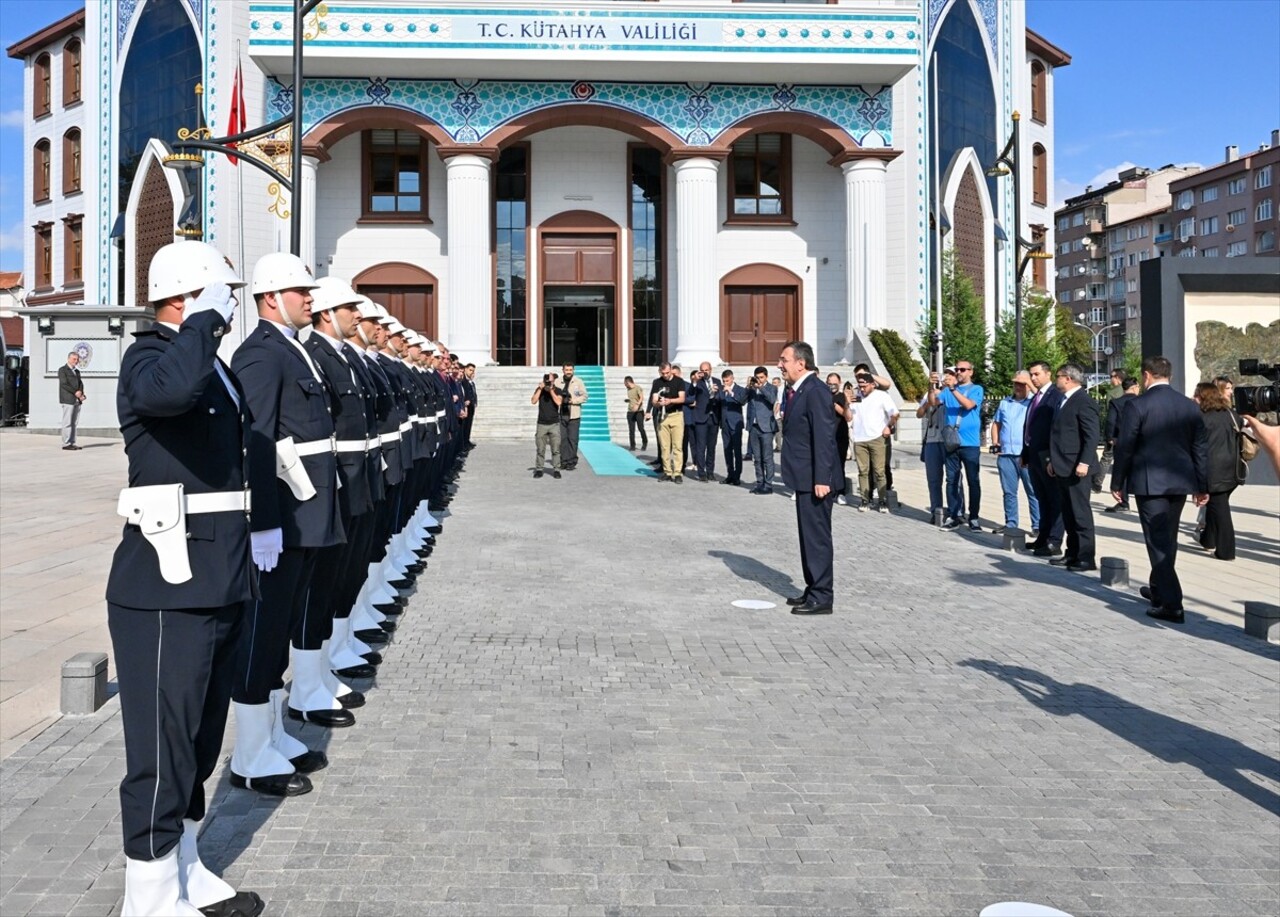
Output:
x=262 y=145
x=1007 y=163
x=1096 y=335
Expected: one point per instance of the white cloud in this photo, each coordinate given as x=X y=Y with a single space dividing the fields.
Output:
x=1064 y=188
x=12 y=118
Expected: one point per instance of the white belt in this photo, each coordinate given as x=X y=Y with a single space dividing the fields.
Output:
x=432 y=421
x=406 y=426
x=389 y=437
x=227 y=501
x=317 y=447
x=419 y=419
x=353 y=445
x=439 y=415
x=373 y=442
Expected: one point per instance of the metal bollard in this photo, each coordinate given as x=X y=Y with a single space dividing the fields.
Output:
x=84 y=683
x=1262 y=619
x=891 y=499
x=939 y=517
x=1015 y=541
x=1114 y=571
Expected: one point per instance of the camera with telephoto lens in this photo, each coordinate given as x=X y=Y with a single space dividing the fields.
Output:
x=1261 y=401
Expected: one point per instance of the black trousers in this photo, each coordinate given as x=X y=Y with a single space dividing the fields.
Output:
x=269 y=623
x=1160 y=517
x=635 y=424
x=1050 y=503
x=1077 y=518
x=732 y=439
x=569 y=440
x=704 y=448
x=813 y=520
x=1219 y=535
x=355 y=563
x=174 y=669
x=320 y=605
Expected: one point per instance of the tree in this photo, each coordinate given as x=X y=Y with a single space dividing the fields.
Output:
x=964 y=327
x=1038 y=341
x=1131 y=356
x=1074 y=343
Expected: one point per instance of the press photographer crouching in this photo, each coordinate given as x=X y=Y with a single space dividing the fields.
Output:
x=547 y=433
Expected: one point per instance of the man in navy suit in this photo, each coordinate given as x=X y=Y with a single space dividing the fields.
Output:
x=1035 y=458
x=1073 y=459
x=731 y=399
x=810 y=467
x=762 y=427
x=1161 y=456
x=706 y=421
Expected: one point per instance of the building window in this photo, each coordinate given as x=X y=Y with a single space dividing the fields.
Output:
x=1208 y=226
x=1264 y=210
x=1262 y=178
x=1064 y=296
x=1236 y=249
x=647 y=244
x=1266 y=241
x=71 y=72
x=42 y=87
x=1077 y=245
x=1208 y=194
x=511 y=233
x=395 y=175
x=1133 y=258
x=71 y=161
x=1131 y=286
x=1187 y=252
x=761 y=169
x=1210 y=252
x=1143 y=231
x=1144 y=254
x=1098 y=314
x=1237 y=217
x=73 y=251
x=1039 y=93
x=44 y=256
x=40 y=171
x=1064 y=272
x=1064 y=223
x=1235 y=186
x=1185 y=200
x=1064 y=248
x=1186 y=228
x=1077 y=218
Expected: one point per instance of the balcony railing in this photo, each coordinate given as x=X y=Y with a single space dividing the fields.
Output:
x=1164 y=237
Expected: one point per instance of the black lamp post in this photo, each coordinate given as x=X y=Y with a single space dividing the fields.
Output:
x=202 y=138
x=1007 y=163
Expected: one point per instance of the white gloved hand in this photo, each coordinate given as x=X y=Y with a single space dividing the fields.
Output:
x=216 y=296
x=266 y=548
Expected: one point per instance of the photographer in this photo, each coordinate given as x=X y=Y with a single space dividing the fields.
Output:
x=666 y=401
x=549 y=400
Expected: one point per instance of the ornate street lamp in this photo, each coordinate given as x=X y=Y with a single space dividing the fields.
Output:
x=1007 y=163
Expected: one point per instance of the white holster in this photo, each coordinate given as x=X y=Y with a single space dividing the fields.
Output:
x=160 y=512
x=289 y=468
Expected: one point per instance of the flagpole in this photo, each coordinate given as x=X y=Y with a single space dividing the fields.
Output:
x=239 y=92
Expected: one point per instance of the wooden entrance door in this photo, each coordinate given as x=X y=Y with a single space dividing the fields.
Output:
x=407 y=291
x=758 y=323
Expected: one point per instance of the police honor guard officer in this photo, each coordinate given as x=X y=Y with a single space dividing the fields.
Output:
x=179 y=578
x=293 y=518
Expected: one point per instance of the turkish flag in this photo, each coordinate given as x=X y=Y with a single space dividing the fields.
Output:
x=237 y=123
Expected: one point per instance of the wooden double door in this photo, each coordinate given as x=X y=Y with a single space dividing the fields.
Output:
x=758 y=322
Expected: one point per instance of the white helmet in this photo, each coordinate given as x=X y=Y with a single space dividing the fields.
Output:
x=331 y=292
x=187 y=266
x=394 y=326
x=371 y=310
x=281 y=271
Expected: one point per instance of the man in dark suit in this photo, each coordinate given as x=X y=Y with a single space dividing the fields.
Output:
x=1162 y=455
x=70 y=396
x=810 y=467
x=180 y=577
x=1073 y=458
x=730 y=400
x=762 y=428
x=705 y=413
x=1111 y=433
x=292 y=521
x=1035 y=458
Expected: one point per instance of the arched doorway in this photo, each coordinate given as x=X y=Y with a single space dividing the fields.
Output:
x=579 y=289
x=759 y=313
x=407 y=291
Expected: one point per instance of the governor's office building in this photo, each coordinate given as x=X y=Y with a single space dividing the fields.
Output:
x=608 y=183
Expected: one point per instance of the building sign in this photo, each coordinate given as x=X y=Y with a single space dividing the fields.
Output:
x=98 y=356
x=576 y=30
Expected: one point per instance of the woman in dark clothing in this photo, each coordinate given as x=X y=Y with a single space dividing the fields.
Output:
x=1222 y=424
x=843 y=415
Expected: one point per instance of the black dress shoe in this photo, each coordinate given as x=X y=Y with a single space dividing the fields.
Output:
x=1172 y=615
x=352 y=700
x=435 y=529
x=1146 y=593
x=812 y=608
x=331 y=719
x=241 y=904
x=372 y=657
x=273 y=784
x=1082 y=566
x=373 y=637
x=389 y=625
x=400 y=585
x=798 y=600
x=309 y=762
x=1047 y=550
x=1118 y=508
x=1063 y=561
x=356 y=671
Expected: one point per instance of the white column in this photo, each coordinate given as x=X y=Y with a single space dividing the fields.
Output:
x=866 y=256
x=697 y=295
x=307 y=200
x=469 y=304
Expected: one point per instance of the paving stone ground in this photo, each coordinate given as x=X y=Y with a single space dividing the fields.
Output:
x=574 y=720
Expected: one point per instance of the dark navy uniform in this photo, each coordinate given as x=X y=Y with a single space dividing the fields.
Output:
x=183 y=423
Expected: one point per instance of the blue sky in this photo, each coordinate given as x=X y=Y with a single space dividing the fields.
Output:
x=1151 y=82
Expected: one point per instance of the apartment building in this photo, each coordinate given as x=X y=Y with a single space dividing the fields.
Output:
x=1085 y=249
x=1229 y=210
x=1129 y=244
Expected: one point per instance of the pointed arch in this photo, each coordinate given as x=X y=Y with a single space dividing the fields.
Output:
x=151 y=216
x=966 y=201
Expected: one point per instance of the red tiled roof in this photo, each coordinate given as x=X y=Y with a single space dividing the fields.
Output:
x=10 y=279
x=12 y=332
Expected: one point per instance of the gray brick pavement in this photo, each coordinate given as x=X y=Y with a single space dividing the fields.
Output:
x=573 y=719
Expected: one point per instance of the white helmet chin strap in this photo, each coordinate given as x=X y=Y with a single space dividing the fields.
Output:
x=284 y=313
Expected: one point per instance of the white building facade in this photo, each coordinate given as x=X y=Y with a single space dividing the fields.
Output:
x=605 y=182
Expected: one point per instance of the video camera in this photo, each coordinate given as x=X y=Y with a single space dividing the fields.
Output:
x=1259 y=400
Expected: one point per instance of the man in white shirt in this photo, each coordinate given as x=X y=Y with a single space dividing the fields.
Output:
x=874 y=418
